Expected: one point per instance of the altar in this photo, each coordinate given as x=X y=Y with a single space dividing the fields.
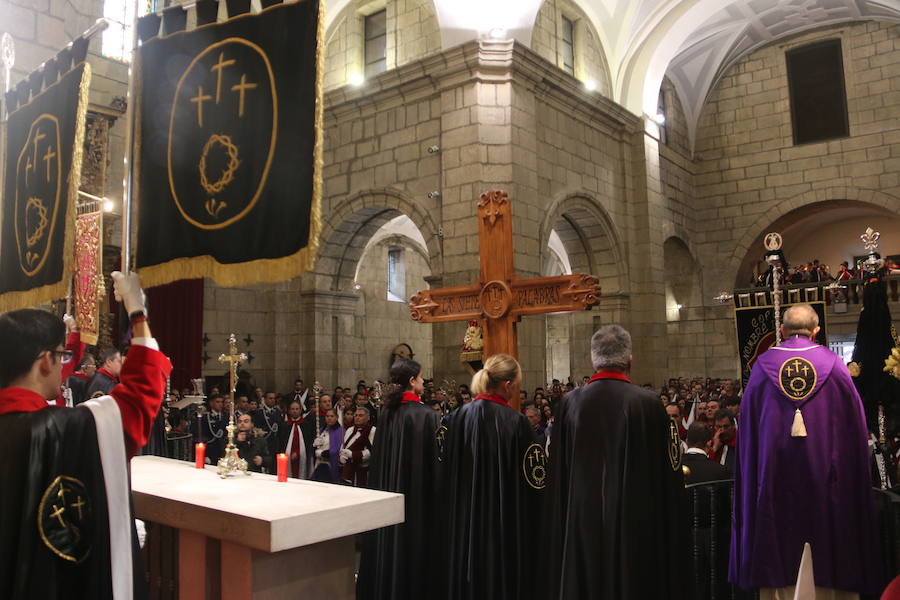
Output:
x=253 y=537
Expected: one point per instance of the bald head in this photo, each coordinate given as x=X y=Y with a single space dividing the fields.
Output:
x=800 y=319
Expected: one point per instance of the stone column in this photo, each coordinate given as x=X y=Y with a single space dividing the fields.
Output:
x=648 y=301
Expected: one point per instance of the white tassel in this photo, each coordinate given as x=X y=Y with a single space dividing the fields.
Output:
x=798 y=428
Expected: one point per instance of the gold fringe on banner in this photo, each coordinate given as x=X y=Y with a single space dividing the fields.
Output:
x=55 y=291
x=267 y=270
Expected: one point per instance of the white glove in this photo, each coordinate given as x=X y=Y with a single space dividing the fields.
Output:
x=71 y=324
x=127 y=289
x=345 y=455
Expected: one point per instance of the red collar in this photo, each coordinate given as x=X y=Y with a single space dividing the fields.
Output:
x=20 y=400
x=291 y=421
x=107 y=373
x=496 y=398
x=410 y=397
x=608 y=375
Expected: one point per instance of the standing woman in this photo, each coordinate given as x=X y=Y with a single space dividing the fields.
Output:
x=398 y=561
x=495 y=474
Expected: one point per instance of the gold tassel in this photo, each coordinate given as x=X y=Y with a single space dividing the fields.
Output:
x=798 y=428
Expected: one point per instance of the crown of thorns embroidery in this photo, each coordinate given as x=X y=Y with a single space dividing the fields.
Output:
x=35 y=206
x=228 y=174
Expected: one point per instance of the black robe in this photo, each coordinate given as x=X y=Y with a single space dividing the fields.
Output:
x=398 y=562
x=495 y=476
x=616 y=503
x=100 y=385
x=40 y=447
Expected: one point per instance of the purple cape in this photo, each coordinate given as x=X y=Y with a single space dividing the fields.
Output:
x=816 y=489
x=335 y=441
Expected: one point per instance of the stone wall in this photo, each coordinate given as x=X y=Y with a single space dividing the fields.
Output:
x=412 y=33
x=383 y=324
x=749 y=173
x=590 y=60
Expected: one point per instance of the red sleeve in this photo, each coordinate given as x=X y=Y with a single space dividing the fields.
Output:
x=74 y=345
x=139 y=393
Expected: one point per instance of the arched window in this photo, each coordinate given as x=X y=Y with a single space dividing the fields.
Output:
x=117 y=39
x=396 y=275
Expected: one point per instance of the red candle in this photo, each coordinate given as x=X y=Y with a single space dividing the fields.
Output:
x=282 y=467
x=200 y=455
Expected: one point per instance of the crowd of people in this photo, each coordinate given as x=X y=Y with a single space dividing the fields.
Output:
x=815 y=271
x=589 y=476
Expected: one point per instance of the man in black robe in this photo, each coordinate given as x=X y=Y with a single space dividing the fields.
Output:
x=107 y=376
x=66 y=529
x=616 y=507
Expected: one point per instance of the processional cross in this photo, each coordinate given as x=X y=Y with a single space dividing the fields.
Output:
x=499 y=299
x=232 y=461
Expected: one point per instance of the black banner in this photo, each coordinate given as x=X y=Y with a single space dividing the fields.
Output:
x=229 y=146
x=756 y=332
x=44 y=140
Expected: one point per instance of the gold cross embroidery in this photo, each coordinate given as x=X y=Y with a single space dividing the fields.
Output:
x=200 y=98
x=78 y=505
x=47 y=158
x=241 y=88
x=217 y=69
x=58 y=513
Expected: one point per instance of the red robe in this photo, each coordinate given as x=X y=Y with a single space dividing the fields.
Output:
x=74 y=345
x=139 y=394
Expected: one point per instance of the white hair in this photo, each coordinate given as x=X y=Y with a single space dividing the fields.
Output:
x=611 y=348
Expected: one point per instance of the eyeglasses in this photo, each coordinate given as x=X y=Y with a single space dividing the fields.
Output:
x=65 y=354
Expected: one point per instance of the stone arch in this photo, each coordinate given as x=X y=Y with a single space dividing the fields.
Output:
x=781 y=214
x=682 y=277
x=590 y=238
x=355 y=219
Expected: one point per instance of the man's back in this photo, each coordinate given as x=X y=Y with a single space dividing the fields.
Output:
x=616 y=496
x=793 y=487
x=54 y=507
x=703 y=470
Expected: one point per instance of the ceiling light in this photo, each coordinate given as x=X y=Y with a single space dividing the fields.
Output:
x=356 y=79
x=497 y=33
x=660 y=119
x=107 y=206
x=590 y=85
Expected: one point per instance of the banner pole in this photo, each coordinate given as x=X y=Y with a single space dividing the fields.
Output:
x=128 y=179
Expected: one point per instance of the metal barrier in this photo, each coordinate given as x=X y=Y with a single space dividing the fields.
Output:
x=179 y=446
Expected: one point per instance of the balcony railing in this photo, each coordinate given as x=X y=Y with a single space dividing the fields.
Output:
x=851 y=293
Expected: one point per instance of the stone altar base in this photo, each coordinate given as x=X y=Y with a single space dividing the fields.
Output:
x=253 y=537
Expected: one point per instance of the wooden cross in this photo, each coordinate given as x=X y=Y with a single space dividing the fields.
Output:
x=499 y=299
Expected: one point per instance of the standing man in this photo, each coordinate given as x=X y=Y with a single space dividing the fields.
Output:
x=298 y=394
x=357 y=450
x=617 y=504
x=802 y=471
x=80 y=541
x=107 y=376
x=79 y=380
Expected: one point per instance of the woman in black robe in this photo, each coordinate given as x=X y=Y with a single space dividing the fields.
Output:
x=397 y=562
x=495 y=474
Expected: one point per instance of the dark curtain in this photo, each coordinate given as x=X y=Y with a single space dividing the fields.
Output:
x=176 y=320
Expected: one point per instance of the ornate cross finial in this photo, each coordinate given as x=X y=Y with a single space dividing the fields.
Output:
x=233 y=358
x=870 y=239
x=491 y=202
x=772 y=241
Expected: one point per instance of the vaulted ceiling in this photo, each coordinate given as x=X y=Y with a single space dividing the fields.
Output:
x=691 y=41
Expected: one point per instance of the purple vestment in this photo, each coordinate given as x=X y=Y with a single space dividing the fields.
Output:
x=816 y=489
